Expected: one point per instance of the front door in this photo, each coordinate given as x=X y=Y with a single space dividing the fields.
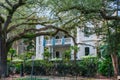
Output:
x=57 y=54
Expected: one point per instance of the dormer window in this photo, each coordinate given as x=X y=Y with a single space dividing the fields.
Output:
x=65 y=36
x=86 y=32
x=57 y=37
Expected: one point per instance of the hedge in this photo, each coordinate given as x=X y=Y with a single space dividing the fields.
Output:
x=86 y=67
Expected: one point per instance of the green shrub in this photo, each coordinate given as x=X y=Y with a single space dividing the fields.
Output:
x=14 y=67
x=105 y=67
x=88 y=66
x=40 y=67
x=46 y=54
x=85 y=67
x=26 y=55
x=66 y=55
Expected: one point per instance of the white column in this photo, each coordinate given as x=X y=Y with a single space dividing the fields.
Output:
x=78 y=41
x=42 y=47
x=39 y=44
x=39 y=47
x=72 y=52
x=80 y=38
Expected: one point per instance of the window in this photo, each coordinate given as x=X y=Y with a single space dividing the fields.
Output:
x=87 y=51
x=65 y=36
x=57 y=37
x=57 y=54
x=88 y=31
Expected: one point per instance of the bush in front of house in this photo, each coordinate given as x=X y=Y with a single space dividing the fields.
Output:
x=41 y=67
x=88 y=66
x=26 y=55
x=14 y=68
x=105 y=67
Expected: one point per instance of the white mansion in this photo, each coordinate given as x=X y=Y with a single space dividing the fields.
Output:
x=58 y=44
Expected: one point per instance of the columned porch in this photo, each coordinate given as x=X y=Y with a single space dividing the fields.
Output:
x=57 y=52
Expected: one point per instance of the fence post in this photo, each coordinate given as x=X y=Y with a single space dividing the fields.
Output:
x=32 y=66
x=21 y=69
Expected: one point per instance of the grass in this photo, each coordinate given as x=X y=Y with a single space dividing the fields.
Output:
x=29 y=78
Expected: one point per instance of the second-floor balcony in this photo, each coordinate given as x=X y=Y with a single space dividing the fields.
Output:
x=59 y=41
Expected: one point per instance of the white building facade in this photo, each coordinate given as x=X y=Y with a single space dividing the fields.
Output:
x=58 y=44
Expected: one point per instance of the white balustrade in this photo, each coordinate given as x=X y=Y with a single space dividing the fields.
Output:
x=59 y=41
x=48 y=41
x=68 y=40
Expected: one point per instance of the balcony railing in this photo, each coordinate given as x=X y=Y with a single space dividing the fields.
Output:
x=59 y=41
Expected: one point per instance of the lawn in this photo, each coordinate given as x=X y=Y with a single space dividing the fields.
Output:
x=30 y=78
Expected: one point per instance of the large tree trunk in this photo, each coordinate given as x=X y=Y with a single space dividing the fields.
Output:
x=115 y=63
x=3 y=53
x=3 y=57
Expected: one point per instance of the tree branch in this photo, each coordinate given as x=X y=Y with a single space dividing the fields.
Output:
x=1 y=19
x=11 y=12
x=103 y=14
x=23 y=35
x=80 y=8
x=8 y=2
x=24 y=23
x=86 y=44
x=28 y=17
x=88 y=11
x=38 y=32
x=5 y=7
